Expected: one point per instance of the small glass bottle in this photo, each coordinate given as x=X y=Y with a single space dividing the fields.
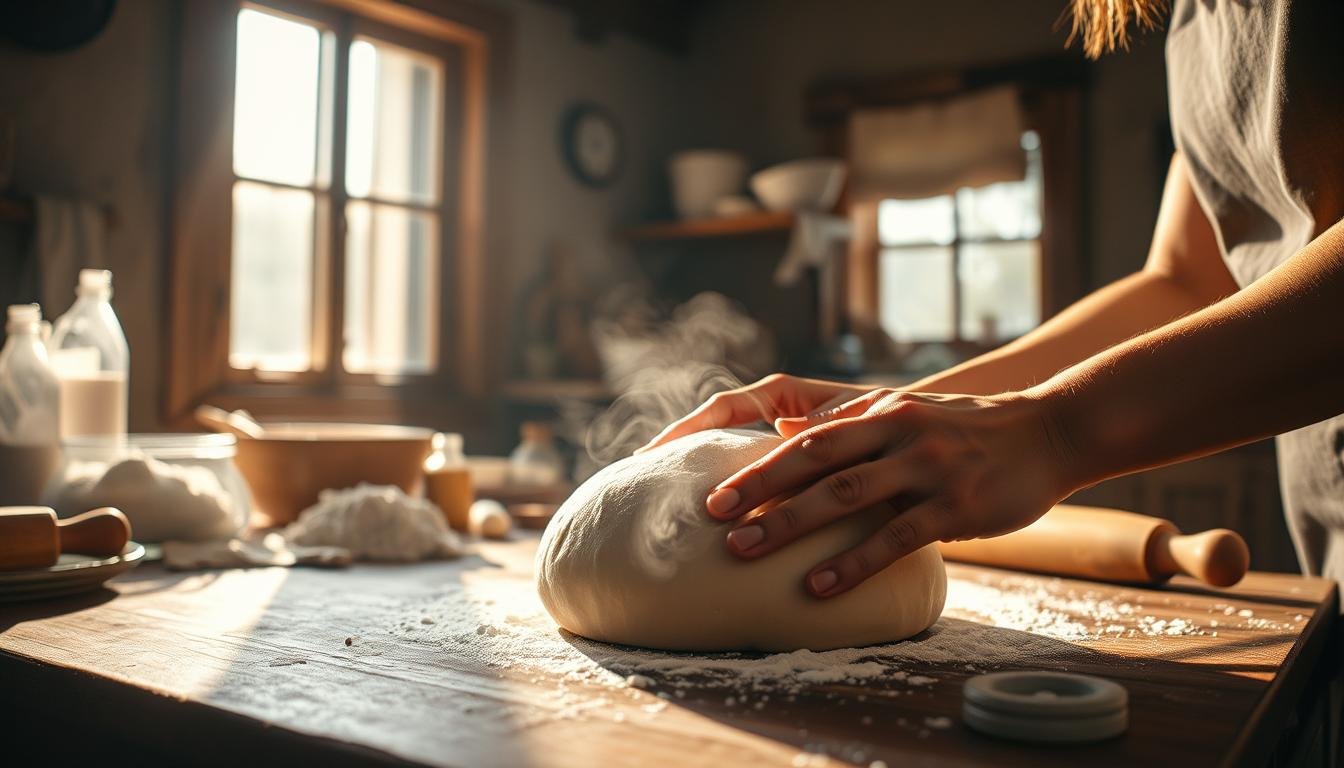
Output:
x=89 y=354
x=29 y=409
x=536 y=461
x=448 y=480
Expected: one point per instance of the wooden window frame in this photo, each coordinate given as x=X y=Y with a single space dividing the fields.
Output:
x=197 y=369
x=1050 y=91
x=955 y=247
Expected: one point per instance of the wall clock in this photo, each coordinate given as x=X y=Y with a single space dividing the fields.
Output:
x=592 y=144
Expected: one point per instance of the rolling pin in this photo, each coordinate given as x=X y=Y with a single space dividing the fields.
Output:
x=1110 y=545
x=32 y=537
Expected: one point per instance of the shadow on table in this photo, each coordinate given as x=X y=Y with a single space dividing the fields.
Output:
x=14 y=613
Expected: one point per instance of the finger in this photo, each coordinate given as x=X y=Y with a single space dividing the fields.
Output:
x=725 y=409
x=901 y=535
x=797 y=462
x=842 y=493
x=841 y=407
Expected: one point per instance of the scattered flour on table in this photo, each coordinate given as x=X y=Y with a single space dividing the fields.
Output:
x=983 y=625
x=1074 y=612
x=986 y=625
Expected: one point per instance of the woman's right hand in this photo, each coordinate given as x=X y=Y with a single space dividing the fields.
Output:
x=777 y=396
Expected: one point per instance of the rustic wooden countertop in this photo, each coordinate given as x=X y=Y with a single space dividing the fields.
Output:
x=455 y=664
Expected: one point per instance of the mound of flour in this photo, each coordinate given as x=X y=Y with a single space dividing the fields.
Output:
x=376 y=522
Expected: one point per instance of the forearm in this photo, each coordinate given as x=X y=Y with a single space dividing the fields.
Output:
x=1121 y=310
x=1265 y=360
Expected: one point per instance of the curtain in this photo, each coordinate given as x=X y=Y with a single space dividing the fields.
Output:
x=933 y=148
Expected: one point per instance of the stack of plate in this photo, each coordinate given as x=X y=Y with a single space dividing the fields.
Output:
x=71 y=574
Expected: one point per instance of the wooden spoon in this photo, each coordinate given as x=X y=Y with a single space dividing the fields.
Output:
x=239 y=423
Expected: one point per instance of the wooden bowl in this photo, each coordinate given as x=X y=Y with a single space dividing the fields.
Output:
x=294 y=462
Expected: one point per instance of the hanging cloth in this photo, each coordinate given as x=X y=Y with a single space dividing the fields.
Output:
x=934 y=148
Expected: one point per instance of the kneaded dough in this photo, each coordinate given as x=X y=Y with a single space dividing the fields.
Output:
x=632 y=557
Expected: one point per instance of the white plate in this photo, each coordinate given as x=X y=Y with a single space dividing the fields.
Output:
x=70 y=574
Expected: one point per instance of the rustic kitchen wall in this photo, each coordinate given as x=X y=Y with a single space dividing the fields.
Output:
x=94 y=124
x=755 y=58
x=644 y=88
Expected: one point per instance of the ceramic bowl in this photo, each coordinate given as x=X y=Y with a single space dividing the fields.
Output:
x=800 y=185
x=294 y=462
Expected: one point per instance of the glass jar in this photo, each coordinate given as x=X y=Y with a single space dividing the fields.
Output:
x=536 y=461
x=172 y=487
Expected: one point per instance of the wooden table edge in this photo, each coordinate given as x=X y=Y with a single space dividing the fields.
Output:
x=1256 y=743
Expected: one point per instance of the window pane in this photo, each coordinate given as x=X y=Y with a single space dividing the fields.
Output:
x=1010 y=210
x=916 y=222
x=391 y=280
x=1001 y=288
x=276 y=99
x=270 y=320
x=394 y=123
x=915 y=292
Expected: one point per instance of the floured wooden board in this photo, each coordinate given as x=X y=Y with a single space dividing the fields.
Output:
x=455 y=663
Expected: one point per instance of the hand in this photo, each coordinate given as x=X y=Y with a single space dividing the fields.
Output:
x=947 y=466
x=777 y=396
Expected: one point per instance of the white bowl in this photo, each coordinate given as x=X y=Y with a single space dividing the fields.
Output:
x=700 y=177
x=813 y=184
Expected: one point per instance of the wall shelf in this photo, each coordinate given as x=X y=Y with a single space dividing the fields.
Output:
x=728 y=226
x=554 y=390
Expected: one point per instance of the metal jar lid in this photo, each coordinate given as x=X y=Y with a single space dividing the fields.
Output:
x=1045 y=707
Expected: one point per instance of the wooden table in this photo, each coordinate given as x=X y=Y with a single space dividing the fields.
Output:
x=454 y=664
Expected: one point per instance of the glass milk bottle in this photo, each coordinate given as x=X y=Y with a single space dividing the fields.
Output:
x=88 y=352
x=29 y=409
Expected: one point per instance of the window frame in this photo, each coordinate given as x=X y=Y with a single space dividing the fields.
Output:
x=472 y=42
x=955 y=248
x=1050 y=91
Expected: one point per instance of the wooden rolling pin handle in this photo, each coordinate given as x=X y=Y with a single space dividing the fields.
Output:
x=101 y=533
x=1218 y=557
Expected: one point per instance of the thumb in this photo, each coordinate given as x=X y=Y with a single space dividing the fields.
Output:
x=788 y=427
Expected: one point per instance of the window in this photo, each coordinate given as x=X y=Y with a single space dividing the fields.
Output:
x=284 y=148
x=966 y=266
x=329 y=209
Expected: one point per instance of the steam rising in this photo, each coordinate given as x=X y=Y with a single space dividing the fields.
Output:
x=663 y=372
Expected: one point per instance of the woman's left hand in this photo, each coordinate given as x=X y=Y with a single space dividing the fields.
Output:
x=947 y=466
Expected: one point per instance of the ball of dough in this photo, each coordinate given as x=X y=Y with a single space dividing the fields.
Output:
x=633 y=558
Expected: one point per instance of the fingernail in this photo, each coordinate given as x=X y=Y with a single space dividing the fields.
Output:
x=746 y=537
x=822 y=581
x=722 y=502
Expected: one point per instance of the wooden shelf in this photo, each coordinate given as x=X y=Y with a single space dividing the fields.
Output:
x=729 y=226
x=551 y=390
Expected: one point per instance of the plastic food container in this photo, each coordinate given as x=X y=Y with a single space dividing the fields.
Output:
x=172 y=487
